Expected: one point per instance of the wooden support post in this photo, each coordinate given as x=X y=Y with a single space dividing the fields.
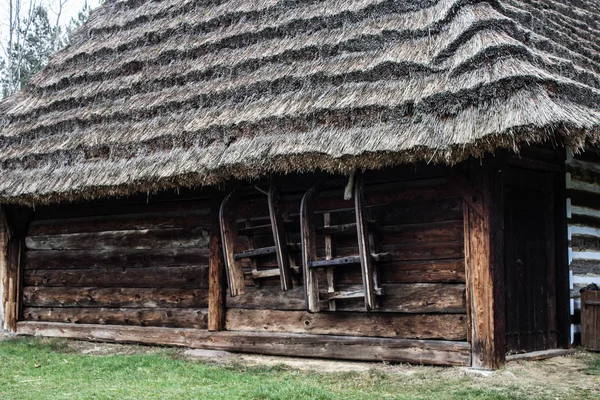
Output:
x=329 y=256
x=283 y=258
x=484 y=249
x=309 y=248
x=216 y=275
x=364 y=245
x=12 y=245
x=563 y=307
x=227 y=219
x=4 y=275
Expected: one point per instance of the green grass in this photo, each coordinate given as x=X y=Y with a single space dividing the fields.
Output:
x=49 y=369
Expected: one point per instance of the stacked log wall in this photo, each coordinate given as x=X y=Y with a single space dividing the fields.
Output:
x=91 y=269
x=418 y=220
x=583 y=213
x=131 y=262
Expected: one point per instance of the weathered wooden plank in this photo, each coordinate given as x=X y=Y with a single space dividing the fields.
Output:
x=191 y=218
x=582 y=198
x=338 y=347
x=449 y=271
x=161 y=277
x=111 y=208
x=329 y=255
x=364 y=245
x=415 y=298
x=167 y=317
x=123 y=258
x=13 y=288
x=227 y=218
x=9 y=275
x=585 y=243
x=307 y=229
x=444 y=209
x=279 y=237
x=216 y=275
x=114 y=297
x=117 y=240
x=417 y=326
x=412 y=251
x=404 y=298
x=484 y=269
x=445 y=231
x=264 y=251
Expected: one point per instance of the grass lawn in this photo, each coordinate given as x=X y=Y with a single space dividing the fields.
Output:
x=32 y=368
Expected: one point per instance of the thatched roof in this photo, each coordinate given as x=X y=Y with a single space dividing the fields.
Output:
x=160 y=94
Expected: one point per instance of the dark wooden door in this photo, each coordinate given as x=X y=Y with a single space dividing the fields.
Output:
x=530 y=260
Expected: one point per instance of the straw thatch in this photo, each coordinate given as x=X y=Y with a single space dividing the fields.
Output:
x=159 y=94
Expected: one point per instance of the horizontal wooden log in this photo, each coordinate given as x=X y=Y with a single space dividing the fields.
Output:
x=446 y=231
x=407 y=193
x=585 y=220
x=117 y=240
x=448 y=209
x=163 y=277
x=269 y=297
x=411 y=326
x=414 y=298
x=411 y=251
x=443 y=271
x=77 y=259
x=434 y=352
x=580 y=173
x=167 y=317
x=114 y=297
x=582 y=198
x=404 y=298
x=583 y=267
x=192 y=218
x=585 y=243
x=112 y=207
x=426 y=271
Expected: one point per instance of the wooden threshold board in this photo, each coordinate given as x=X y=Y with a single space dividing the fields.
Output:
x=433 y=352
x=539 y=355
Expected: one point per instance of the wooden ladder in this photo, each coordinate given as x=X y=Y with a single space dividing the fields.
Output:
x=365 y=258
x=230 y=232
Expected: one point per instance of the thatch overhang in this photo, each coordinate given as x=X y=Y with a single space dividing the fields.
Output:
x=160 y=94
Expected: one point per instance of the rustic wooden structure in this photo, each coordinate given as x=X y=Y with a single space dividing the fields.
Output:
x=359 y=180
x=590 y=320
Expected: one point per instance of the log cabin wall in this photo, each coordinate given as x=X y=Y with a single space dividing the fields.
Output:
x=417 y=219
x=143 y=261
x=137 y=271
x=583 y=212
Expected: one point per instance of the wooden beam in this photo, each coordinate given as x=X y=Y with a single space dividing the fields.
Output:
x=391 y=325
x=563 y=304
x=364 y=245
x=14 y=226
x=435 y=352
x=484 y=249
x=5 y=235
x=466 y=190
x=309 y=248
x=279 y=237
x=227 y=219
x=216 y=275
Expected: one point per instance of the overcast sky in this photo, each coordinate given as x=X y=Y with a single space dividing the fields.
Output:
x=69 y=11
